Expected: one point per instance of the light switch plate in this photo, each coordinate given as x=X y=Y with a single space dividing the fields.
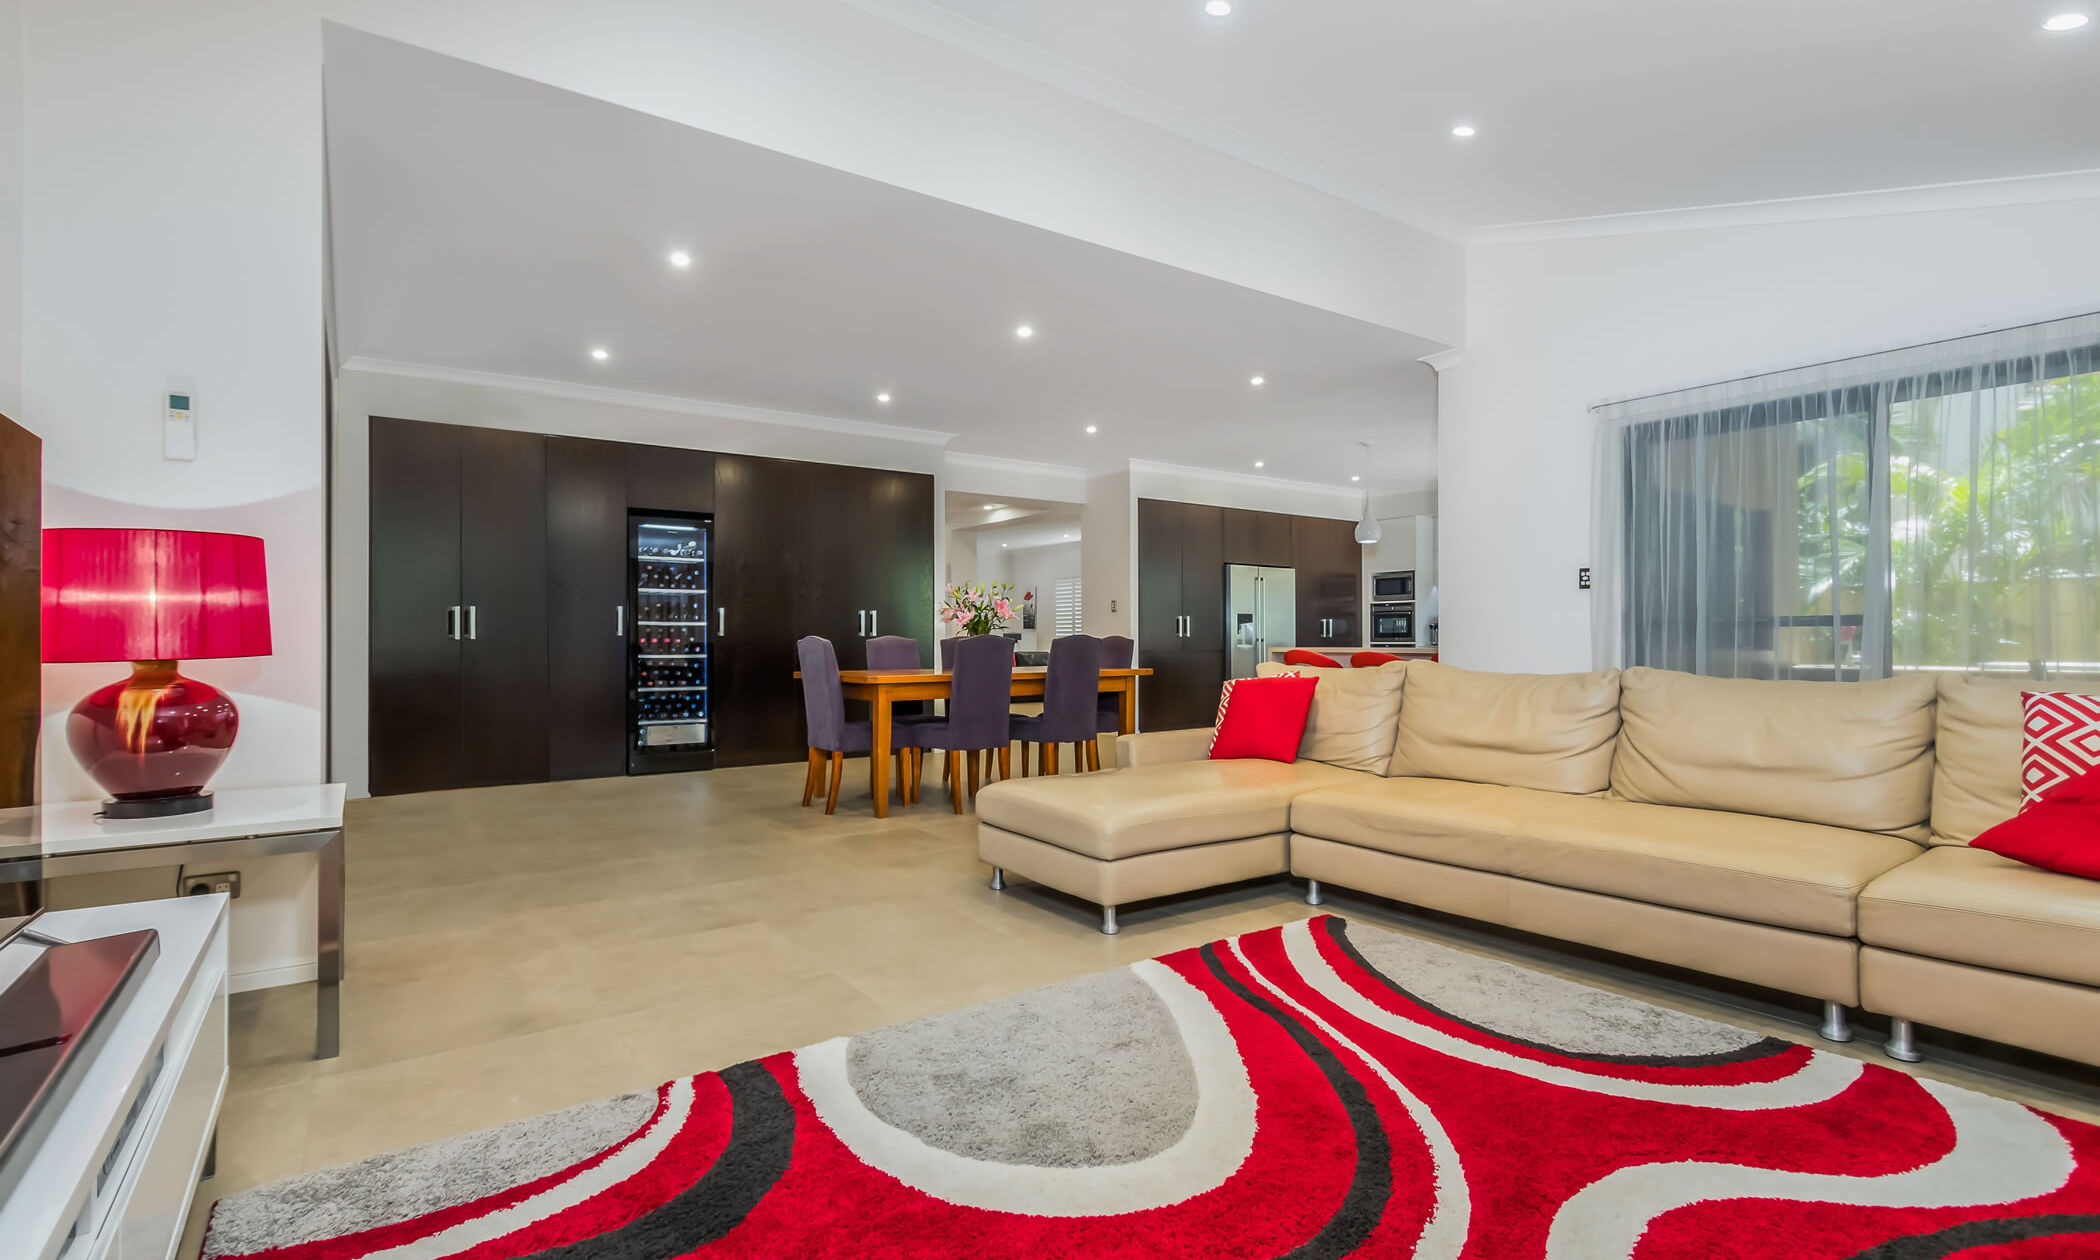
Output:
x=1582 y=579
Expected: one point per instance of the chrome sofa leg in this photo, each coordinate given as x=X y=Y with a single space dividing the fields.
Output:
x=1835 y=1026
x=1312 y=893
x=1903 y=1042
x=998 y=879
x=1108 y=921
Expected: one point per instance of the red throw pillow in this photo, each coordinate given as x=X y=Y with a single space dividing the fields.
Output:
x=2060 y=832
x=1262 y=717
x=1306 y=656
x=1372 y=660
x=2061 y=740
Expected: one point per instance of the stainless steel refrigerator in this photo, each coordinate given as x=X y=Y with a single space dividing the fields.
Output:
x=1261 y=610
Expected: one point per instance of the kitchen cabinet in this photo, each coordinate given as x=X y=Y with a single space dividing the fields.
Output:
x=587 y=613
x=1329 y=561
x=1181 y=613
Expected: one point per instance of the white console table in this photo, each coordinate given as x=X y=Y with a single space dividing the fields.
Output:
x=72 y=838
x=114 y=1176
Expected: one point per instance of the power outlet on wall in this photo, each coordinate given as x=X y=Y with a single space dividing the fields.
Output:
x=228 y=882
x=1582 y=579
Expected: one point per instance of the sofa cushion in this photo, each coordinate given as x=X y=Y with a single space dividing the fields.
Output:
x=1354 y=712
x=1552 y=732
x=1740 y=866
x=1121 y=813
x=1843 y=754
x=1976 y=775
x=1968 y=906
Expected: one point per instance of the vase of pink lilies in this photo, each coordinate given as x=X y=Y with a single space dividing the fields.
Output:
x=977 y=607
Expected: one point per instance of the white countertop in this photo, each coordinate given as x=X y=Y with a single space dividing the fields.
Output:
x=70 y=827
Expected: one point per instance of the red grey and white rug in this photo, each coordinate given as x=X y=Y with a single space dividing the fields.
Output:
x=1308 y=1091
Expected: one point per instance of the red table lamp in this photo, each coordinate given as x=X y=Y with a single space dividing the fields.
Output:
x=153 y=597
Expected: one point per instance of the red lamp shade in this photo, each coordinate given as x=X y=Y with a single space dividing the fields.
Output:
x=153 y=597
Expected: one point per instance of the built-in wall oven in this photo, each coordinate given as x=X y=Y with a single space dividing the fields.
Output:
x=1393 y=625
x=1396 y=587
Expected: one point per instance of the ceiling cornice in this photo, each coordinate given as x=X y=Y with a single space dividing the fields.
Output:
x=1021 y=467
x=1243 y=478
x=1966 y=195
x=1046 y=67
x=653 y=402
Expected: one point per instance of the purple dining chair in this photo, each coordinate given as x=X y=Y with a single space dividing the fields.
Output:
x=1068 y=706
x=831 y=737
x=976 y=721
x=1117 y=652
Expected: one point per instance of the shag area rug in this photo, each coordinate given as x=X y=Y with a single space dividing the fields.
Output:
x=1308 y=1091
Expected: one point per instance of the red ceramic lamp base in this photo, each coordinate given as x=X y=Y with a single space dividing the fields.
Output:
x=153 y=741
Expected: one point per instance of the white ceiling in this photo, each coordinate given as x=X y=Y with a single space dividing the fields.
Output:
x=490 y=224
x=1582 y=109
x=1018 y=524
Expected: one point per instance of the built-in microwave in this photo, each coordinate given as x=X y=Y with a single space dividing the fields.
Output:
x=1392 y=625
x=1395 y=587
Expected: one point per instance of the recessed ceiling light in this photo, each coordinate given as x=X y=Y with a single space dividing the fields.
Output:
x=1218 y=8
x=1257 y=380
x=1002 y=544
x=600 y=353
x=1025 y=331
x=681 y=259
x=991 y=507
x=1093 y=428
x=882 y=398
x=2066 y=22
x=1463 y=130
x=1261 y=463
x=1356 y=478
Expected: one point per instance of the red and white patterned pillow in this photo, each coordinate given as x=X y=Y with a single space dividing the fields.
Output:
x=2060 y=740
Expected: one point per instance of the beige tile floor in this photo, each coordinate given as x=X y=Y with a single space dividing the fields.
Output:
x=515 y=950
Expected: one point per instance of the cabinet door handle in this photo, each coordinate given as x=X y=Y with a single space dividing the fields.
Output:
x=874 y=621
x=473 y=621
x=863 y=623
x=452 y=622
x=721 y=621
x=619 y=621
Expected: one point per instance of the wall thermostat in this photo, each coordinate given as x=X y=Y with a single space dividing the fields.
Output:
x=178 y=434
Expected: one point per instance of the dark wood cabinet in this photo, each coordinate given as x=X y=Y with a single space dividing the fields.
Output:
x=669 y=479
x=503 y=583
x=21 y=560
x=587 y=496
x=1329 y=562
x=458 y=607
x=416 y=732
x=1262 y=538
x=1181 y=612
x=500 y=565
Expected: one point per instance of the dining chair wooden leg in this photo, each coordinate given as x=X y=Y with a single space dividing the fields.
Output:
x=1026 y=751
x=1006 y=762
x=838 y=771
x=955 y=780
x=1093 y=754
x=1049 y=758
x=809 y=779
x=974 y=759
x=918 y=774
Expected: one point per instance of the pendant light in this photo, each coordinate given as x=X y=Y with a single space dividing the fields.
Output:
x=1367 y=529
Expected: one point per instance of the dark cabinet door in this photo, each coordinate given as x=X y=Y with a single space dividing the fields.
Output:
x=503 y=583
x=1159 y=619
x=839 y=551
x=587 y=617
x=758 y=567
x=21 y=594
x=1330 y=582
x=415 y=734
x=899 y=576
x=1203 y=578
x=670 y=479
x=1257 y=537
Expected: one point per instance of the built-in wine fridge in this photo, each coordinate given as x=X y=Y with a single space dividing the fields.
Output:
x=669 y=641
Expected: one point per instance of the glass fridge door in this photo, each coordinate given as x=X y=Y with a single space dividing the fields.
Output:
x=670 y=641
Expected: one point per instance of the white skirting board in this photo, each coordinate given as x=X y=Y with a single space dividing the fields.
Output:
x=273 y=976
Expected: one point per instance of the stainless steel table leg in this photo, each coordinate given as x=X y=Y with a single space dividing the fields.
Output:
x=328 y=994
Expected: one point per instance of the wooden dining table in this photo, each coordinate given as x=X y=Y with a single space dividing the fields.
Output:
x=882 y=688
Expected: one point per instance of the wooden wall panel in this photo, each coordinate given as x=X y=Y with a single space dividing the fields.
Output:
x=21 y=555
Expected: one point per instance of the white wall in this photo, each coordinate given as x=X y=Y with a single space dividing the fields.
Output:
x=1554 y=327
x=1108 y=555
x=11 y=208
x=165 y=233
x=824 y=81
x=1032 y=569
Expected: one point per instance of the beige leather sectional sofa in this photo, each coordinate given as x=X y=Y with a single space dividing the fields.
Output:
x=1807 y=837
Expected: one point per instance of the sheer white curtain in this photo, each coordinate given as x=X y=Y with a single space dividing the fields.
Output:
x=1936 y=507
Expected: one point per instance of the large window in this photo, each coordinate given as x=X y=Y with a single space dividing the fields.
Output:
x=1934 y=508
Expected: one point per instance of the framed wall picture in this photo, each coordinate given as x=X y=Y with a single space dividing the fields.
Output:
x=1028 y=610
